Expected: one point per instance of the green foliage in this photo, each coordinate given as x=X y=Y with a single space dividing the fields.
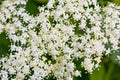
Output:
x=32 y=7
x=4 y=44
x=116 y=1
x=105 y=2
x=107 y=71
x=1 y=1
x=98 y=74
x=41 y=1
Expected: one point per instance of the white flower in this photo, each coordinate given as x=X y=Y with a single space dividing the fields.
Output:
x=50 y=3
x=77 y=16
x=77 y=73
x=69 y=78
x=26 y=69
x=1 y=28
x=11 y=70
x=2 y=17
x=20 y=75
x=70 y=67
x=4 y=75
x=88 y=65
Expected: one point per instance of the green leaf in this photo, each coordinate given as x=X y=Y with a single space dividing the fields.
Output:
x=116 y=1
x=41 y=1
x=32 y=7
x=4 y=45
x=98 y=74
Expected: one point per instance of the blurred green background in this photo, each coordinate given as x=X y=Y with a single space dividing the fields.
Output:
x=110 y=68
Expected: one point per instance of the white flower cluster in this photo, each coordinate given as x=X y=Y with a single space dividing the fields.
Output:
x=63 y=31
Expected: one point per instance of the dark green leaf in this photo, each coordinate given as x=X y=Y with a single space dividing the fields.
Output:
x=41 y=1
x=32 y=7
x=4 y=45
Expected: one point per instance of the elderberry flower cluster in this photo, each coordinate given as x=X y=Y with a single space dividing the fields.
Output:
x=64 y=31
